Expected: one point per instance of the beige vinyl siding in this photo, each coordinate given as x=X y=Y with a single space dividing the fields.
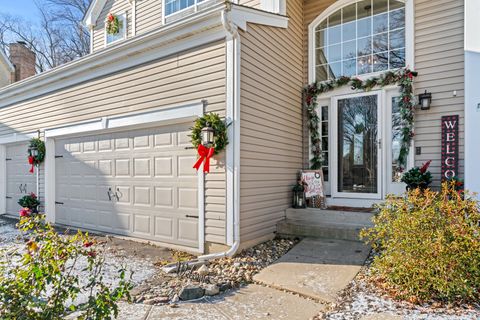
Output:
x=114 y=7
x=148 y=15
x=251 y=3
x=271 y=123
x=183 y=78
x=5 y=75
x=439 y=60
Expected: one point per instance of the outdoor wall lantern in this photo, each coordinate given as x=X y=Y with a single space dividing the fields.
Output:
x=208 y=135
x=299 y=196
x=33 y=151
x=425 y=100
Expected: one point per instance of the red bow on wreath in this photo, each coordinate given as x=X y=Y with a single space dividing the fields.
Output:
x=31 y=161
x=205 y=155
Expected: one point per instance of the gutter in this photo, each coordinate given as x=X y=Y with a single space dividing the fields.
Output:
x=233 y=150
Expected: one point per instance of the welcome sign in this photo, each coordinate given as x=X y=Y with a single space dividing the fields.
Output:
x=449 y=146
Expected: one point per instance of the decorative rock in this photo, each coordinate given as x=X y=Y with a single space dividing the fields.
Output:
x=203 y=271
x=224 y=287
x=175 y=299
x=191 y=292
x=157 y=300
x=211 y=290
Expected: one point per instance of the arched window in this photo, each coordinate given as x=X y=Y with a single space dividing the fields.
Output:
x=363 y=37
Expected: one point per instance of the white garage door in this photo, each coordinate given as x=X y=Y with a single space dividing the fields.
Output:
x=138 y=183
x=20 y=181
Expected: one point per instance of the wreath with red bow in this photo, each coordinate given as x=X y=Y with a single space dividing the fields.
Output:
x=220 y=140
x=113 y=24
x=39 y=145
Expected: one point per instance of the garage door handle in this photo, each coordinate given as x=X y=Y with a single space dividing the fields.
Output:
x=8 y=197
x=190 y=216
x=108 y=194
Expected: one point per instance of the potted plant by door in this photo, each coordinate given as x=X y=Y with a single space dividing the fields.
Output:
x=418 y=177
x=30 y=202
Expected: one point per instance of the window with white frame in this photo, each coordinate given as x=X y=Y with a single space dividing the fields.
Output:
x=122 y=31
x=363 y=37
x=174 y=6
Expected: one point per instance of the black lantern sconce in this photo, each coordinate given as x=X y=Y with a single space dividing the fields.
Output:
x=33 y=151
x=208 y=135
x=425 y=100
x=299 y=201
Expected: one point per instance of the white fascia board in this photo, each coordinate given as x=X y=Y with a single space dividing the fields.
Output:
x=93 y=12
x=179 y=36
x=242 y=15
x=17 y=137
x=6 y=61
x=135 y=120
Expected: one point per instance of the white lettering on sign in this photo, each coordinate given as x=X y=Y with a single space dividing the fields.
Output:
x=450 y=136
x=449 y=146
x=450 y=124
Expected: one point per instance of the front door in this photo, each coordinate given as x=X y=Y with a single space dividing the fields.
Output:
x=357 y=157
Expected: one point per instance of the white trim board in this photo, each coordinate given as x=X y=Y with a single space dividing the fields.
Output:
x=137 y=120
x=6 y=61
x=131 y=121
x=17 y=137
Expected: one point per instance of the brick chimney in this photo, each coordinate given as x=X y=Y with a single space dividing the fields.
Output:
x=23 y=59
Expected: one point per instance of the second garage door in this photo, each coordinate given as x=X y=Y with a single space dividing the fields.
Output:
x=138 y=183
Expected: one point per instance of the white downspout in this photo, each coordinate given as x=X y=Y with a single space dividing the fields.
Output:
x=233 y=149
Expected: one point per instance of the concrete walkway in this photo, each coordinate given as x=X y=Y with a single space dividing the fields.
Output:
x=316 y=268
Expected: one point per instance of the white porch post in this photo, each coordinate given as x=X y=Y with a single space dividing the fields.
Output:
x=472 y=95
x=50 y=179
x=3 y=179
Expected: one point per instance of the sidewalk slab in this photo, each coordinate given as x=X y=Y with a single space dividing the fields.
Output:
x=249 y=303
x=316 y=268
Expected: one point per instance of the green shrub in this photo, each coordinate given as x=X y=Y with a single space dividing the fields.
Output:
x=418 y=177
x=43 y=280
x=429 y=246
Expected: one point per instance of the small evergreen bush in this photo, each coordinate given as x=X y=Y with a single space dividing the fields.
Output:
x=429 y=246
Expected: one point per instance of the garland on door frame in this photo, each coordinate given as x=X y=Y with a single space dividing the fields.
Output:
x=113 y=24
x=402 y=77
x=37 y=160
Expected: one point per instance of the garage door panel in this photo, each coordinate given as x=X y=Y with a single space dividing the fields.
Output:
x=19 y=181
x=151 y=173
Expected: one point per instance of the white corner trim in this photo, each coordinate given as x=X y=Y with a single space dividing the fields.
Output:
x=3 y=182
x=201 y=209
x=17 y=137
x=241 y=15
x=50 y=206
x=410 y=34
x=93 y=12
x=274 y=6
x=163 y=116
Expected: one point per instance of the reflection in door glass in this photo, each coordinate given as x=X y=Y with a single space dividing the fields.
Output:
x=397 y=169
x=357 y=145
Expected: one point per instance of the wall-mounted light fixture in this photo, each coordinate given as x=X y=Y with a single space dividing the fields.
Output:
x=425 y=100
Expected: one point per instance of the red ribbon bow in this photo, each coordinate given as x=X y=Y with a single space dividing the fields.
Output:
x=31 y=162
x=205 y=155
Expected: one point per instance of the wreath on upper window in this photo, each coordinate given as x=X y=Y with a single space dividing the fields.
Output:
x=113 y=24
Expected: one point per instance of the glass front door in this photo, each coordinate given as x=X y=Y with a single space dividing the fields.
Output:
x=357 y=155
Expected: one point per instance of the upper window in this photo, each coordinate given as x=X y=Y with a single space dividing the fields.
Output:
x=173 y=6
x=364 y=37
x=122 y=30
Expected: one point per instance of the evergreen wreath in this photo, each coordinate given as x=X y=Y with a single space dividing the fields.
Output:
x=40 y=146
x=403 y=77
x=221 y=138
x=113 y=24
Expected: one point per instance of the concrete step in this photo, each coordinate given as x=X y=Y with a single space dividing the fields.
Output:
x=332 y=224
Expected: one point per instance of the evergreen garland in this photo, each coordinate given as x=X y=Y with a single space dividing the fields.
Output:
x=402 y=77
x=221 y=138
